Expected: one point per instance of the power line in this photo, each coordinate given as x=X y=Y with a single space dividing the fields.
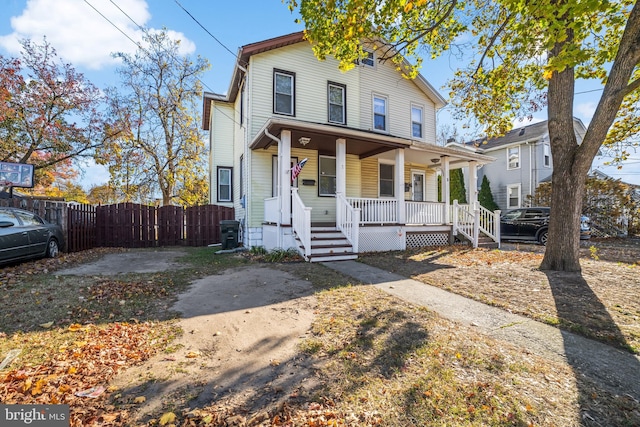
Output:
x=207 y=31
x=143 y=49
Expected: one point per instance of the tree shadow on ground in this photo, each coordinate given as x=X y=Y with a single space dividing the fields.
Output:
x=613 y=369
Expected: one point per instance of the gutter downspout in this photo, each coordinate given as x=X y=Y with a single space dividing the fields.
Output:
x=277 y=140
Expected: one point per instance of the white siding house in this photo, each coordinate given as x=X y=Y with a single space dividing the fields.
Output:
x=370 y=178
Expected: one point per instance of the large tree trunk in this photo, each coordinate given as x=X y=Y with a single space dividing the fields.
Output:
x=571 y=162
x=568 y=179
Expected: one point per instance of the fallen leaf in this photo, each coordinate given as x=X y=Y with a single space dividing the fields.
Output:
x=46 y=325
x=192 y=355
x=166 y=418
x=75 y=327
x=139 y=399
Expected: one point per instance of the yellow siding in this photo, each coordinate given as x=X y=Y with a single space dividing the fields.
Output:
x=311 y=77
x=383 y=79
x=221 y=154
x=369 y=173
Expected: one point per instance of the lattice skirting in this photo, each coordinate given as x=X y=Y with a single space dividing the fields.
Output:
x=418 y=240
x=381 y=239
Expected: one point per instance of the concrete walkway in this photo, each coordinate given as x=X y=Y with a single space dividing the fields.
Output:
x=615 y=369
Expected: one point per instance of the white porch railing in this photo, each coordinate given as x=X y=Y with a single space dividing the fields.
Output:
x=272 y=210
x=465 y=222
x=490 y=223
x=348 y=220
x=375 y=211
x=301 y=222
x=424 y=213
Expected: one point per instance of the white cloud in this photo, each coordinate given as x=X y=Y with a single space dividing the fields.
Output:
x=584 y=111
x=79 y=33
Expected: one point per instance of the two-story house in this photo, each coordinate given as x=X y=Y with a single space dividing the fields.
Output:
x=369 y=181
x=522 y=161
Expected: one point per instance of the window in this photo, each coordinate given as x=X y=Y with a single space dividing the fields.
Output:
x=224 y=184
x=513 y=196
x=241 y=173
x=547 y=156
x=386 y=180
x=513 y=157
x=368 y=59
x=327 y=176
x=337 y=103
x=283 y=92
x=380 y=113
x=416 y=121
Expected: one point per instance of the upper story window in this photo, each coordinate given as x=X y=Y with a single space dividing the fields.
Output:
x=386 y=179
x=547 y=155
x=326 y=176
x=513 y=157
x=337 y=103
x=380 y=113
x=416 y=121
x=284 y=92
x=368 y=60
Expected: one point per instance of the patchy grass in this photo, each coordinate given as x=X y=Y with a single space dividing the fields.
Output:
x=601 y=303
x=386 y=362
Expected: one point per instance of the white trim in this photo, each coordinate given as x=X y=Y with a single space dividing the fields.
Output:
x=421 y=107
x=509 y=167
x=386 y=112
x=292 y=77
x=335 y=161
x=392 y=163
x=518 y=187
x=424 y=184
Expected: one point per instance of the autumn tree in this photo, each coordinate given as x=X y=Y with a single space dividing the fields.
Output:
x=526 y=55
x=49 y=113
x=157 y=101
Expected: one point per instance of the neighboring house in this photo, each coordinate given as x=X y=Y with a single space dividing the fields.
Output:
x=370 y=180
x=522 y=161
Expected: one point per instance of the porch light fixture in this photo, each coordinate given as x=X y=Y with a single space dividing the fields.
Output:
x=434 y=161
x=304 y=140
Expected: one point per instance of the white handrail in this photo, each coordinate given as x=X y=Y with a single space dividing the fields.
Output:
x=375 y=211
x=348 y=220
x=490 y=223
x=465 y=223
x=301 y=222
x=424 y=213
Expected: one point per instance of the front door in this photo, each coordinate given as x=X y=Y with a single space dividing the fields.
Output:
x=417 y=179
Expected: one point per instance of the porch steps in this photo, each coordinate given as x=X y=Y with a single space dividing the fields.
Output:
x=329 y=244
x=487 y=242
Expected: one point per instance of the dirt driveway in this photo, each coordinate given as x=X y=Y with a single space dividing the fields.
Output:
x=239 y=346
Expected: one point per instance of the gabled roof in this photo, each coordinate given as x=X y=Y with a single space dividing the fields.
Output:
x=245 y=53
x=532 y=132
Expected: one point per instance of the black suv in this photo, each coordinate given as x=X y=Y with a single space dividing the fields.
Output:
x=532 y=224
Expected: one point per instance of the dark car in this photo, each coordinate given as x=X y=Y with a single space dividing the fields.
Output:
x=533 y=224
x=25 y=235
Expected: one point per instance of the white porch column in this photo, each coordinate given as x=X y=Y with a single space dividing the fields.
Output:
x=341 y=166
x=399 y=179
x=473 y=182
x=341 y=174
x=445 y=189
x=284 y=176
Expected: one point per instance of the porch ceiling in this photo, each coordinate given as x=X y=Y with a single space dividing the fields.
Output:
x=323 y=138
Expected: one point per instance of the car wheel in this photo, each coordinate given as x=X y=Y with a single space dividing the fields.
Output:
x=52 y=248
x=543 y=236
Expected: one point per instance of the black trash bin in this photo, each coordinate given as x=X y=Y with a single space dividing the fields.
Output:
x=229 y=234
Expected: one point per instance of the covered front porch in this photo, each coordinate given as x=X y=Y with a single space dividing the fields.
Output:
x=401 y=175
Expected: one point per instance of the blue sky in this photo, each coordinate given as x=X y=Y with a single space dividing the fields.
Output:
x=86 y=39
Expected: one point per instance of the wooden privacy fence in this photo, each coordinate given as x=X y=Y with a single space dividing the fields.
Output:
x=52 y=211
x=132 y=225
